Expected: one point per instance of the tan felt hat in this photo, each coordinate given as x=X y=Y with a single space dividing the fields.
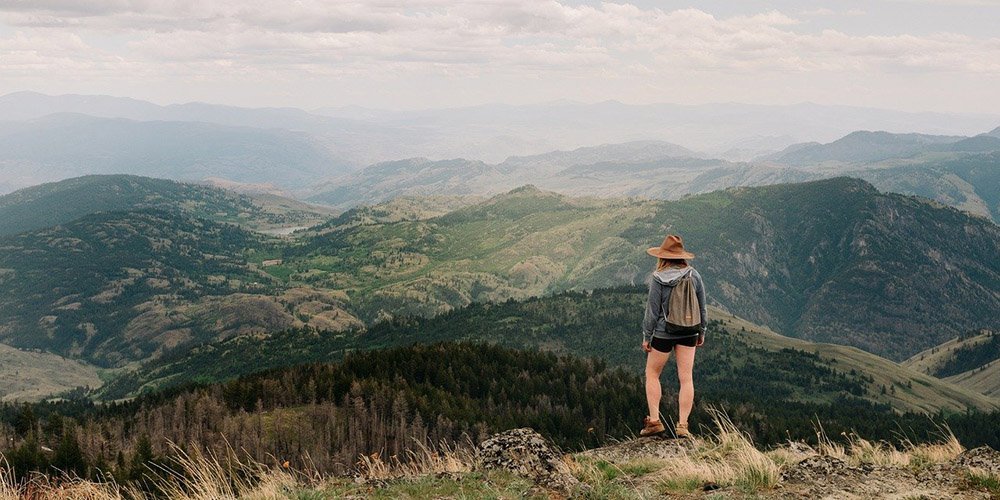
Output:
x=672 y=248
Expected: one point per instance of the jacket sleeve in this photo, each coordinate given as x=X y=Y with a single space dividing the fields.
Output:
x=654 y=305
x=700 y=291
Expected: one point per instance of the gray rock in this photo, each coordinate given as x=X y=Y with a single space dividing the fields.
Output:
x=528 y=454
x=984 y=458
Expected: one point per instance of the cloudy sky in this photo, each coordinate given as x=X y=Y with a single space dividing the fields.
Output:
x=903 y=54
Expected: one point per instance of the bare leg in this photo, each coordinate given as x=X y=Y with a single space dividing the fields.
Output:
x=654 y=366
x=685 y=396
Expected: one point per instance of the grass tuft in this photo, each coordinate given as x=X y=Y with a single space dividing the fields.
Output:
x=983 y=479
x=445 y=459
x=862 y=451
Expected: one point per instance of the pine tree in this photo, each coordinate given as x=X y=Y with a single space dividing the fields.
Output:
x=142 y=456
x=68 y=458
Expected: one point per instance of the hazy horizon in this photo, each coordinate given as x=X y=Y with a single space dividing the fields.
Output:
x=906 y=55
x=508 y=104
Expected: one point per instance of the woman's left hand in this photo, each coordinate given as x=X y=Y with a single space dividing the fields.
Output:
x=646 y=347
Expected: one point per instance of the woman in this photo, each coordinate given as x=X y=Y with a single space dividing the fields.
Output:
x=671 y=269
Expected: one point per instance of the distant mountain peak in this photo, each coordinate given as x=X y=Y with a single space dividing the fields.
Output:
x=527 y=189
x=864 y=147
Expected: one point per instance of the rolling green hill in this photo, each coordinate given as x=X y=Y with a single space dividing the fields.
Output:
x=61 y=202
x=863 y=147
x=114 y=287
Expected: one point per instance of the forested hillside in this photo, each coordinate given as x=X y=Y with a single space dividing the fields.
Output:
x=971 y=360
x=77 y=288
x=836 y=261
x=602 y=324
x=387 y=402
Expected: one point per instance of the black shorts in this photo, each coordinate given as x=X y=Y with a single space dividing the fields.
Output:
x=667 y=345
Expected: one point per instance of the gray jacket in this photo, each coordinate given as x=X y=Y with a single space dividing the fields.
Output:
x=654 y=323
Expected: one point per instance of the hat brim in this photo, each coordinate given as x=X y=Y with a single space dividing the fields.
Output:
x=663 y=254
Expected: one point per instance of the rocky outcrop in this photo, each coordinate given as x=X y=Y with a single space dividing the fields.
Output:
x=804 y=472
x=528 y=454
x=823 y=476
x=983 y=458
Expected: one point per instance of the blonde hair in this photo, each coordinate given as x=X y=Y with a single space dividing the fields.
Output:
x=662 y=263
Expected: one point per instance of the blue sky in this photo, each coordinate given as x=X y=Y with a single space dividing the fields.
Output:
x=910 y=55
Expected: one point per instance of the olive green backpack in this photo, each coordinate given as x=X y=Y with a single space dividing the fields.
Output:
x=683 y=311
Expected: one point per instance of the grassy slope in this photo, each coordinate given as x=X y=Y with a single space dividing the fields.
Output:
x=983 y=379
x=931 y=359
x=30 y=376
x=926 y=393
x=516 y=245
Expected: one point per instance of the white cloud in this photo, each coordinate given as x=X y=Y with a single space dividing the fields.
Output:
x=265 y=41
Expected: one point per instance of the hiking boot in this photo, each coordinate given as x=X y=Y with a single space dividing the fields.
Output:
x=681 y=431
x=651 y=427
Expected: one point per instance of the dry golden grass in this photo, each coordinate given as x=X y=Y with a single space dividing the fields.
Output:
x=859 y=450
x=984 y=479
x=444 y=459
x=726 y=457
x=190 y=477
x=205 y=476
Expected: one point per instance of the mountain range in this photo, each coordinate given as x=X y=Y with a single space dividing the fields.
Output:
x=295 y=149
x=958 y=171
x=323 y=158
x=829 y=261
x=772 y=262
x=61 y=146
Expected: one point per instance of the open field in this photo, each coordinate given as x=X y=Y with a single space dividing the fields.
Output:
x=31 y=376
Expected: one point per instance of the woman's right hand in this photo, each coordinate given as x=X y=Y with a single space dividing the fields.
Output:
x=646 y=347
